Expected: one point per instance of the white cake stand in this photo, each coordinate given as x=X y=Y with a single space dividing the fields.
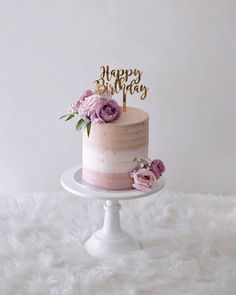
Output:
x=110 y=239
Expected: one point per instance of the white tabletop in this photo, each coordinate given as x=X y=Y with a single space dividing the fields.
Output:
x=72 y=181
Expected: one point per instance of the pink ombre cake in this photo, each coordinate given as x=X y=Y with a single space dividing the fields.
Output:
x=112 y=149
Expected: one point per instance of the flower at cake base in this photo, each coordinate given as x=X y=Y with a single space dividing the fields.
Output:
x=144 y=179
x=157 y=167
x=107 y=111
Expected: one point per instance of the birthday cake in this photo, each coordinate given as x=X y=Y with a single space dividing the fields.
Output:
x=114 y=140
x=111 y=150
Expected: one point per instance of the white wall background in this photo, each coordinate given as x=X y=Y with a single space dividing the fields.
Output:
x=50 y=51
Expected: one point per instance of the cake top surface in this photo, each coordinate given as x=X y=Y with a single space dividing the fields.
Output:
x=131 y=116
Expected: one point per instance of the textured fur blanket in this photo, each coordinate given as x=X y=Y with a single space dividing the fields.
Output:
x=189 y=246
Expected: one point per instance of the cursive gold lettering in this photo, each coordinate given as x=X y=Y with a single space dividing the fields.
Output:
x=119 y=80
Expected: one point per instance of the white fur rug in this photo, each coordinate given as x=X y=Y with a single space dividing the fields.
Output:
x=189 y=240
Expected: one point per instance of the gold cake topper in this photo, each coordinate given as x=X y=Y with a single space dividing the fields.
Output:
x=120 y=80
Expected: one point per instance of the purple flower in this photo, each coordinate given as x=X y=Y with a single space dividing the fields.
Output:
x=107 y=110
x=157 y=167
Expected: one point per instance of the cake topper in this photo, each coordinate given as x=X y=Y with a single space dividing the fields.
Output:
x=126 y=81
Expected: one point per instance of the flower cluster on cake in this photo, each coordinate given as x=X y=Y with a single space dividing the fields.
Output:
x=92 y=107
x=115 y=149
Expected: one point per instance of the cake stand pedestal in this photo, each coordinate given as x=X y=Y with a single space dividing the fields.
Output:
x=110 y=239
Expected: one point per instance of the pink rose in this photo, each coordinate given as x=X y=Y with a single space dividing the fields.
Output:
x=86 y=94
x=74 y=108
x=157 y=167
x=82 y=98
x=89 y=106
x=143 y=179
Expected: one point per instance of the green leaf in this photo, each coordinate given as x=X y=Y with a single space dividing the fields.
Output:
x=70 y=116
x=80 y=124
x=88 y=126
x=63 y=117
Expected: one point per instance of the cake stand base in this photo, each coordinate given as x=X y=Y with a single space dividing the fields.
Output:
x=110 y=239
